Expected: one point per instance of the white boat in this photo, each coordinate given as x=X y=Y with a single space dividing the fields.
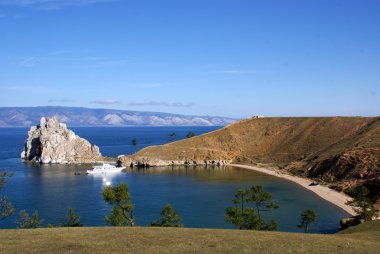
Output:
x=105 y=168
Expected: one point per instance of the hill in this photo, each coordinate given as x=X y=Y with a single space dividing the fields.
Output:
x=360 y=239
x=341 y=151
x=74 y=116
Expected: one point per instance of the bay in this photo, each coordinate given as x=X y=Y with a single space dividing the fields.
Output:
x=199 y=194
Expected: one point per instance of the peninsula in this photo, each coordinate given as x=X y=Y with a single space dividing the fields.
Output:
x=341 y=152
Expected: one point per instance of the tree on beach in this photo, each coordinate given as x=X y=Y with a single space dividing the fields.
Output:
x=25 y=221
x=122 y=210
x=307 y=217
x=362 y=205
x=6 y=207
x=249 y=205
x=169 y=218
x=72 y=220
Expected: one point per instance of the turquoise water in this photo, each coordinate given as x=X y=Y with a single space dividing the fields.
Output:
x=200 y=195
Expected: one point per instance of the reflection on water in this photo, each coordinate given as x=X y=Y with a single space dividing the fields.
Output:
x=199 y=194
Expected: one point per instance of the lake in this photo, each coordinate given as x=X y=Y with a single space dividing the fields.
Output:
x=199 y=194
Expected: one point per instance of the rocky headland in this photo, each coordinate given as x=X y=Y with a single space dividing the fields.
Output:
x=52 y=142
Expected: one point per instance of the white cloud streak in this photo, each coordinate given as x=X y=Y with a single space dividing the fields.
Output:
x=143 y=104
x=51 y=4
x=29 y=61
x=64 y=100
x=105 y=102
x=32 y=89
x=158 y=103
x=78 y=62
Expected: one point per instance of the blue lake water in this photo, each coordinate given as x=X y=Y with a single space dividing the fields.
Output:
x=200 y=195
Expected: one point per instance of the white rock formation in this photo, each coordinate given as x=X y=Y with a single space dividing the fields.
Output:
x=52 y=142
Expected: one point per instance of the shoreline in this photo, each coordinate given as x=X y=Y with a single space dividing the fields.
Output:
x=336 y=198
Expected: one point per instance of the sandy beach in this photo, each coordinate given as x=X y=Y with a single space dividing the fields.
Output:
x=337 y=198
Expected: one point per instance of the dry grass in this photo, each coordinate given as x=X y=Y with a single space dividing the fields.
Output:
x=339 y=151
x=274 y=140
x=363 y=239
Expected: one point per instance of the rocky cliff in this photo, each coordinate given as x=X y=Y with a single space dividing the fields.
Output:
x=52 y=142
x=146 y=161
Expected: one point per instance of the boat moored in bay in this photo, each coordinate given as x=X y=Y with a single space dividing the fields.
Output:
x=104 y=168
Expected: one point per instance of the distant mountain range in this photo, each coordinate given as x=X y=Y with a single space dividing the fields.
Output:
x=75 y=116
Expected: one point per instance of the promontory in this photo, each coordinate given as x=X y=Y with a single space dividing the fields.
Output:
x=343 y=152
x=52 y=142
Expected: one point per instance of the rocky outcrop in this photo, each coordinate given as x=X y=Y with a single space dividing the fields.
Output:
x=355 y=164
x=129 y=161
x=52 y=142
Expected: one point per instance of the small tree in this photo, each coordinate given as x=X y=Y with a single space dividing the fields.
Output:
x=362 y=205
x=172 y=136
x=307 y=217
x=263 y=203
x=190 y=134
x=263 y=200
x=72 y=220
x=134 y=143
x=249 y=203
x=237 y=215
x=6 y=207
x=25 y=221
x=169 y=218
x=122 y=211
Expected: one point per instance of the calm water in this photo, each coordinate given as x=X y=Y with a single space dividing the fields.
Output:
x=200 y=195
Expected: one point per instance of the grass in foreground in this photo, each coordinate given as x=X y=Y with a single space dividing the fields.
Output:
x=362 y=239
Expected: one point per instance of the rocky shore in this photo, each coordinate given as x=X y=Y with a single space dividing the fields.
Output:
x=131 y=161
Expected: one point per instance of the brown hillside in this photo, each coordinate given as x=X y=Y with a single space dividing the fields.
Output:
x=269 y=140
x=344 y=151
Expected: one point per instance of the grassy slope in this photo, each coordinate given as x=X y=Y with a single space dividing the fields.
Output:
x=342 y=151
x=271 y=140
x=362 y=239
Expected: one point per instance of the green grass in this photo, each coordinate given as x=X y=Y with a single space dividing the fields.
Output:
x=361 y=239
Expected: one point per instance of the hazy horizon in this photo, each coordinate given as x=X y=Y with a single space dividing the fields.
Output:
x=164 y=112
x=201 y=57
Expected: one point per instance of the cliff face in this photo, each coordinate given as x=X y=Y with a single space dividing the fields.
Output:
x=52 y=142
x=343 y=151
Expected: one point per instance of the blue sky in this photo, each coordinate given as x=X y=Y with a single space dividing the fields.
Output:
x=204 y=57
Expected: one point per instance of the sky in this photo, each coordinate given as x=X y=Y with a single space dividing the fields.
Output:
x=235 y=58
